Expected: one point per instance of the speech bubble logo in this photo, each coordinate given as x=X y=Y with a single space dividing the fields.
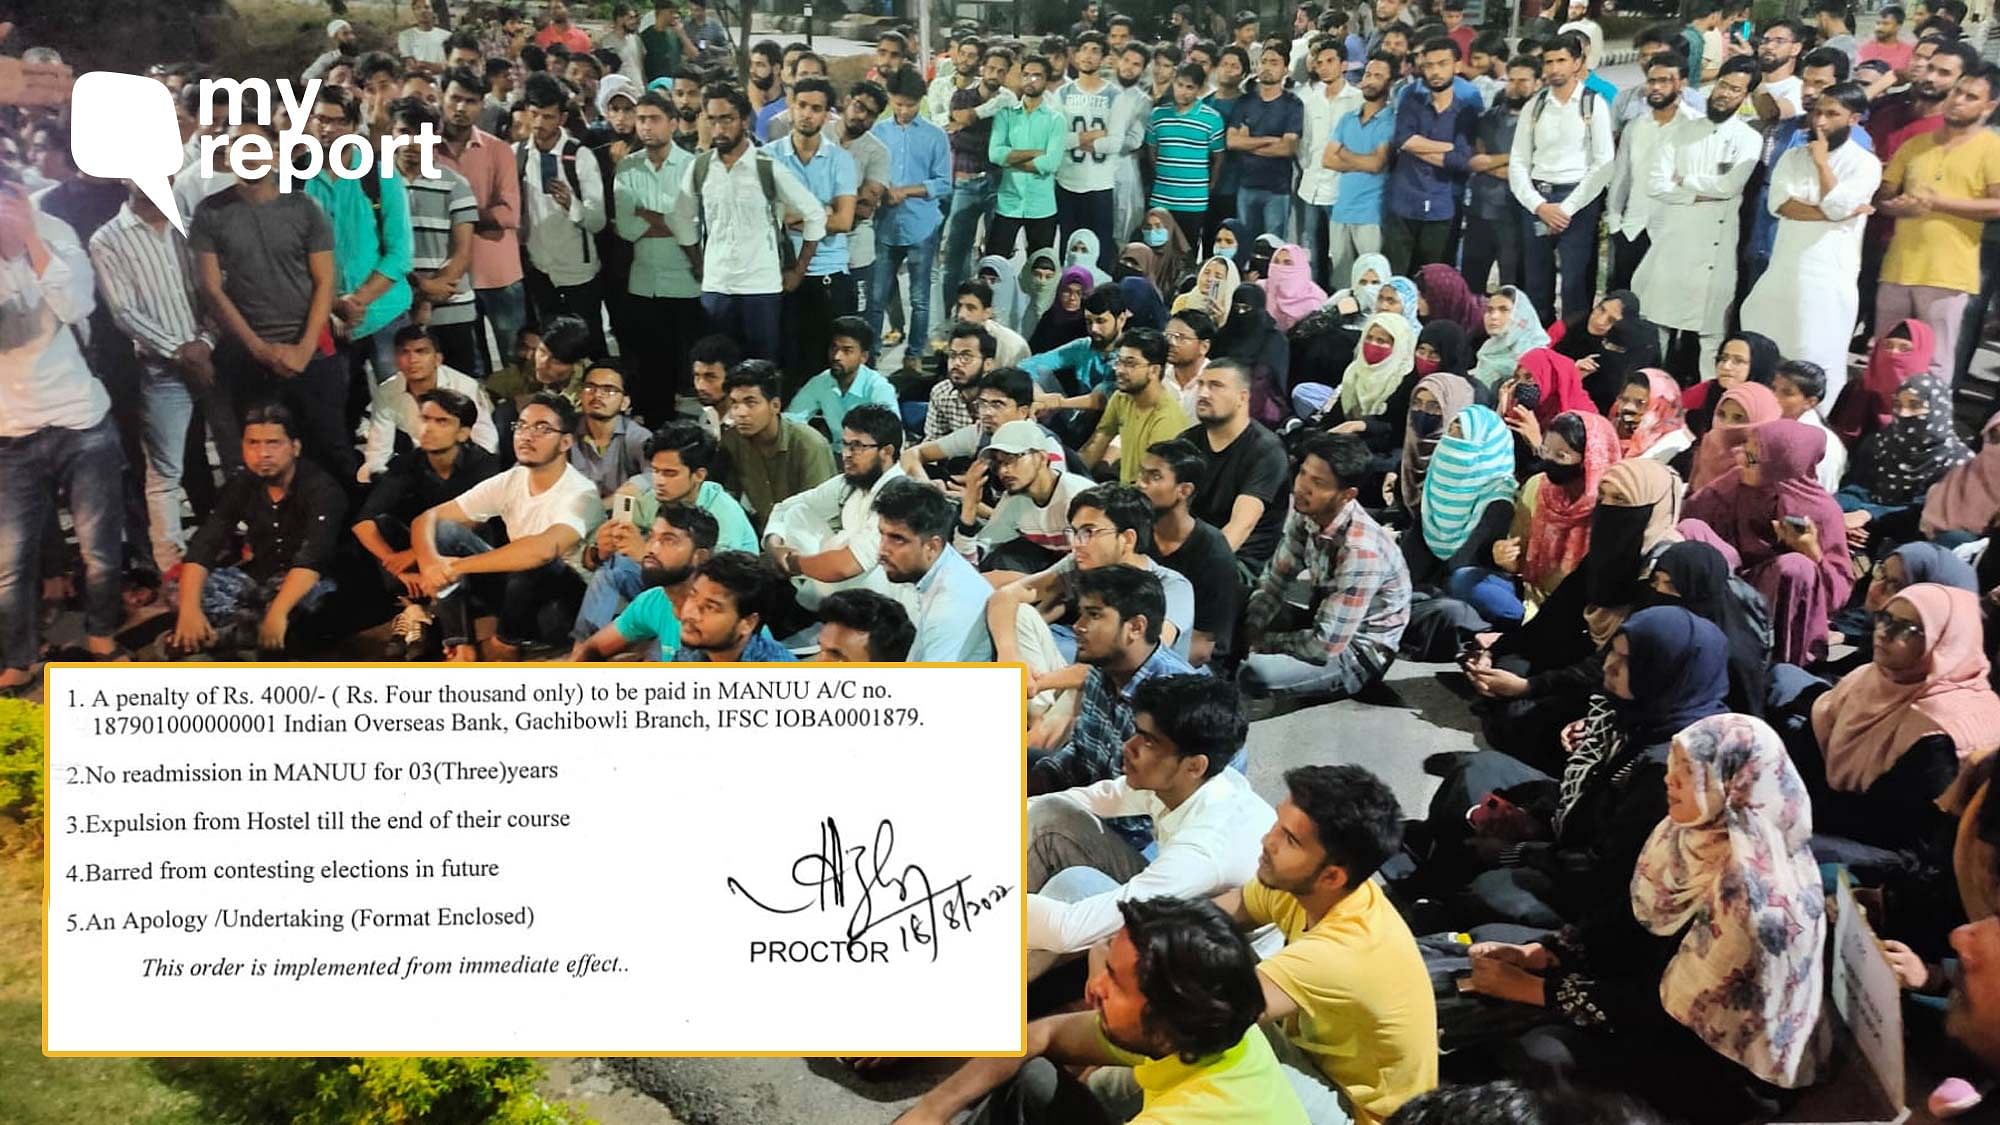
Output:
x=123 y=127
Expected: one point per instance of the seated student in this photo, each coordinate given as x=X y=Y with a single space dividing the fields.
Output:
x=828 y=538
x=1141 y=411
x=771 y=456
x=610 y=446
x=710 y=360
x=680 y=457
x=1243 y=493
x=1358 y=598
x=1896 y=466
x=950 y=604
x=1649 y=418
x=1207 y=822
x=1027 y=531
x=535 y=582
x=442 y=466
x=1373 y=397
x=1466 y=506
x=1002 y=395
x=395 y=421
x=1695 y=576
x=250 y=597
x=1699 y=987
x=1109 y=525
x=722 y=617
x=1799 y=385
x=1435 y=399
x=1965 y=503
x=847 y=382
x=975 y=306
x=1868 y=405
x=1078 y=375
x=858 y=626
x=1513 y=1103
x=1168 y=477
x=1744 y=359
x=1177 y=983
x=680 y=539
x=968 y=356
x=1347 y=1002
x=1118 y=645
x=555 y=365
x=1738 y=413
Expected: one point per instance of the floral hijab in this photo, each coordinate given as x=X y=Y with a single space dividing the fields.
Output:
x=1663 y=416
x=1500 y=354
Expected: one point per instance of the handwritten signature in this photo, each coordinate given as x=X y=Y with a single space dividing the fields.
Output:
x=918 y=902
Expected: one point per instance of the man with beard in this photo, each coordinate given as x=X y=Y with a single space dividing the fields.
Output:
x=1634 y=102
x=690 y=127
x=968 y=356
x=1141 y=411
x=1144 y=1012
x=1941 y=187
x=1778 y=58
x=980 y=95
x=341 y=47
x=1629 y=202
x=1358 y=150
x=828 y=538
x=291 y=510
x=1128 y=188
x=829 y=172
x=1327 y=99
x=1264 y=136
x=1695 y=180
x=1027 y=531
x=1560 y=161
x=1494 y=237
x=663 y=310
x=1240 y=492
x=487 y=164
x=563 y=208
x=681 y=540
x=1806 y=300
x=535 y=582
x=1432 y=141
x=950 y=609
x=1192 y=548
x=623 y=37
x=723 y=620
x=1230 y=67
x=1085 y=365
x=1819 y=69
x=855 y=132
x=1027 y=146
x=1891 y=111
x=666 y=48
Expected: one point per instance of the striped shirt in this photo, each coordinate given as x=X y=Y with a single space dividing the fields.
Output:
x=147 y=278
x=1182 y=145
x=436 y=206
x=1360 y=589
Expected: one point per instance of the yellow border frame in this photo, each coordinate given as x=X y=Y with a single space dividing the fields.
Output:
x=48 y=818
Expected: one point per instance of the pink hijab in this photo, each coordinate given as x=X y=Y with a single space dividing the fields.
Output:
x=1871 y=718
x=1866 y=404
x=1562 y=387
x=1289 y=293
x=1716 y=454
x=1967 y=498
x=1787 y=455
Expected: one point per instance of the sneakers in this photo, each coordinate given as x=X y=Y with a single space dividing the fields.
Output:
x=409 y=634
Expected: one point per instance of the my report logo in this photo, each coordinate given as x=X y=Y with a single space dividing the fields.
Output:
x=123 y=127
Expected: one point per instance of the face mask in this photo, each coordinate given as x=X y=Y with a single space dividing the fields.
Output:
x=1425 y=366
x=1425 y=426
x=1376 y=353
x=1123 y=270
x=1366 y=292
x=1155 y=237
x=1226 y=253
x=1564 y=474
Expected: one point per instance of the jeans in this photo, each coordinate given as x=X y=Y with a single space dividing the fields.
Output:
x=1491 y=242
x=751 y=319
x=88 y=466
x=660 y=331
x=1263 y=212
x=1091 y=211
x=1409 y=243
x=169 y=405
x=1974 y=326
x=532 y=605
x=612 y=587
x=235 y=604
x=921 y=259
x=971 y=201
x=1573 y=252
x=505 y=310
x=1309 y=224
x=459 y=344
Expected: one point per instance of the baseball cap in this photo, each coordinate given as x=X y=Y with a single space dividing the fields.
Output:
x=1016 y=437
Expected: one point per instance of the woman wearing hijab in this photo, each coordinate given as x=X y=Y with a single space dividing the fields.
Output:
x=1135 y=259
x=1746 y=357
x=1258 y=269
x=1374 y=394
x=1064 y=320
x=1743 y=408
x=1081 y=249
x=1787 y=531
x=1365 y=279
x=1606 y=342
x=1441 y=346
x=1556 y=378
x=1698 y=984
x=1143 y=302
x=1399 y=295
x=1906 y=566
x=1512 y=327
x=1250 y=338
x=1230 y=240
x=1696 y=577
x=1172 y=256
x=1009 y=302
x=1464 y=504
x=1214 y=290
x=1864 y=407
x=1289 y=293
x=1551 y=531
x=1638 y=504
x=1038 y=288
x=1897 y=465
x=1442 y=294
x=1649 y=419
x=1964 y=502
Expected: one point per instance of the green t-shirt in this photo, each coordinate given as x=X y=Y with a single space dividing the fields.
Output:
x=662 y=52
x=1241 y=1086
x=1138 y=429
x=651 y=617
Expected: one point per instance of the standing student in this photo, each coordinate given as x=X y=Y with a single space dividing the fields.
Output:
x=1186 y=133
x=1558 y=169
x=562 y=204
x=1432 y=143
x=1095 y=115
x=1327 y=99
x=1027 y=147
x=662 y=293
x=1264 y=134
x=1359 y=152
x=829 y=172
x=911 y=217
x=488 y=165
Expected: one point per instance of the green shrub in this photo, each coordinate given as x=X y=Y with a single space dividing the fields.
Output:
x=375 y=1091
x=21 y=753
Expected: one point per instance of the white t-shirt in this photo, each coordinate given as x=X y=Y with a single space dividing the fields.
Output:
x=423 y=46
x=572 y=501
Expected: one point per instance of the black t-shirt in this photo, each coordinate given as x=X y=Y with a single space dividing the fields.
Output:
x=1253 y=465
x=1208 y=564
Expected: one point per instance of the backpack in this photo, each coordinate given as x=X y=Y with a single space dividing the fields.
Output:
x=566 y=160
x=1542 y=99
x=767 y=178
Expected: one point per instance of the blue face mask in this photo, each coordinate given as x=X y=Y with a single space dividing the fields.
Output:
x=1155 y=237
x=1226 y=253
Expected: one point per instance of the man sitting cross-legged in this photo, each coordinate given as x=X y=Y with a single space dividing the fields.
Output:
x=857 y=626
x=682 y=538
x=828 y=538
x=916 y=551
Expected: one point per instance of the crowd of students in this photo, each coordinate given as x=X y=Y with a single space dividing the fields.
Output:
x=1640 y=407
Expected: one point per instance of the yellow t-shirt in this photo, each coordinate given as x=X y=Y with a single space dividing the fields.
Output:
x=1366 y=1010
x=1137 y=429
x=1241 y=1086
x=1937 y=249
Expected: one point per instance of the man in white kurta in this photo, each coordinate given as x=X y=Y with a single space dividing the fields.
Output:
x=1696 y=179
x=1806 y=302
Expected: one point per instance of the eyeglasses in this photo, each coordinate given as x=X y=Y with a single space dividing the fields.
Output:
x=1078 y=536
x=1893 y=628
x=859 y=446
x=537 y=430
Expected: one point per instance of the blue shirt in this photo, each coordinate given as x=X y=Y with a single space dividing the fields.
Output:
x=1784 y=136
x=760 y=648
x=1088 y=367
x=951 y=612
x=760 y=126
x=1104 y=720
x=1360 y=201
x=919 y=153
x=822 y=396
x=1601 y=84
x=1275 y=118
x=830 y=174
x=1418 y=189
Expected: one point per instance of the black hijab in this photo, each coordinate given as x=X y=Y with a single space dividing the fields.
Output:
x=1701 y=585
x=1252 y=337
x=1447 y=339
